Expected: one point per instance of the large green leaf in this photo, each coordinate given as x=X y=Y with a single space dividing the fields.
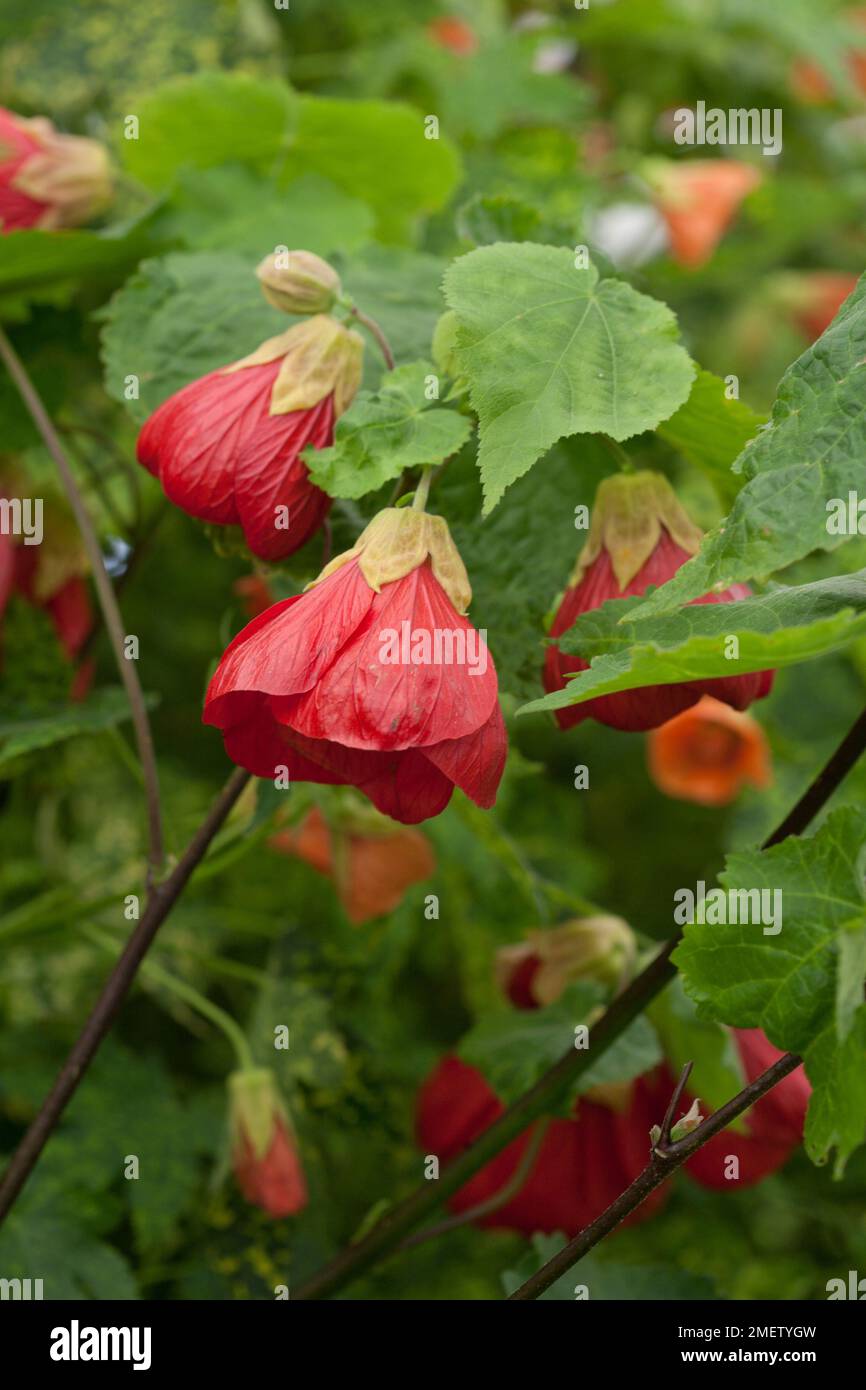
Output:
x=811 y=453
x=25 y=733
x=49 y=266
x=178 y=318
x=710 y=431
x=207 y=119
x=781 y=973
x=235 y=209
x=384 y=432
x=375 y=151
x=549 y=350
x=778 y=628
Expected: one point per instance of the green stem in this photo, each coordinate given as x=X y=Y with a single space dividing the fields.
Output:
x=222 y=1020
x=624 y=460
x=419 y=501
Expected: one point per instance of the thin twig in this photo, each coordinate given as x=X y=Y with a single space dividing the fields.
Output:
x=105 y=594
x=378 y=333
x=664 y=1160
x=385 y=1236
x=162 y=900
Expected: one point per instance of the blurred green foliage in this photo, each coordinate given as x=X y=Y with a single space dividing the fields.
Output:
x=371 y=1008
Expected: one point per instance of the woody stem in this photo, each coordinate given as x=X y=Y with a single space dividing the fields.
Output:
x=402 y=1218
x=114 y=991
x=105 y=594
x=665 y=1159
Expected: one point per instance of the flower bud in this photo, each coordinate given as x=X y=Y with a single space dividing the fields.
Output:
x=298 y=282
x=264 y=1152
x=536 y=972
x=49 y=180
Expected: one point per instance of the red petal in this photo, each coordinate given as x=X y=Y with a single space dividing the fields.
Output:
x=269 y=474
x=286 y=650
x=364 y=701
x=474 y=763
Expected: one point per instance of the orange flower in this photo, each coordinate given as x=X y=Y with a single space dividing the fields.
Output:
x=371 y=861
x=707 y=753
x=699 y=200
x=455 y=35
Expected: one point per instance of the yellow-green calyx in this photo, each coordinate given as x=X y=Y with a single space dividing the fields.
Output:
x=628 y=515
x=298 y=282
x=255 y=1106
x=396 y=542
x=320 y=356
x=599 y=948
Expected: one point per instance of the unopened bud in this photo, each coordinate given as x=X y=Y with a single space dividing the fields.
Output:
x=298 y=282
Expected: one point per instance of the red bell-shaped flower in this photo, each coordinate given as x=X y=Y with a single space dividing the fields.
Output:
x=582 y=1165
x=227 y=448
x=47 y=179
x=639 y=537
x=264 y=1152
x=372 y=678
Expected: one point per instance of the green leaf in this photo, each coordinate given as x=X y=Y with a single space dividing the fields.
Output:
x=49 y=266
x=384 y=432
x=103 y=710
x=775 y=629
x=717 y=1072
x=129 y=1107
x=811 y=453
x=851 y=974
x=635 y=1051
x=177 y=319
x=514 y=1047
x=710 y=431
x=836 y=1117
x=782 y=975
x=207 y=119
x=236 y=210
x=375 y=151
x=71 y=1262
x=582 y=355
x=490 y=217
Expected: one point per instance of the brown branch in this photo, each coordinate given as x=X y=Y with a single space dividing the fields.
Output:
x=105 y=594
x=162 y=899
x=387 y=1234
x=664 y=1160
